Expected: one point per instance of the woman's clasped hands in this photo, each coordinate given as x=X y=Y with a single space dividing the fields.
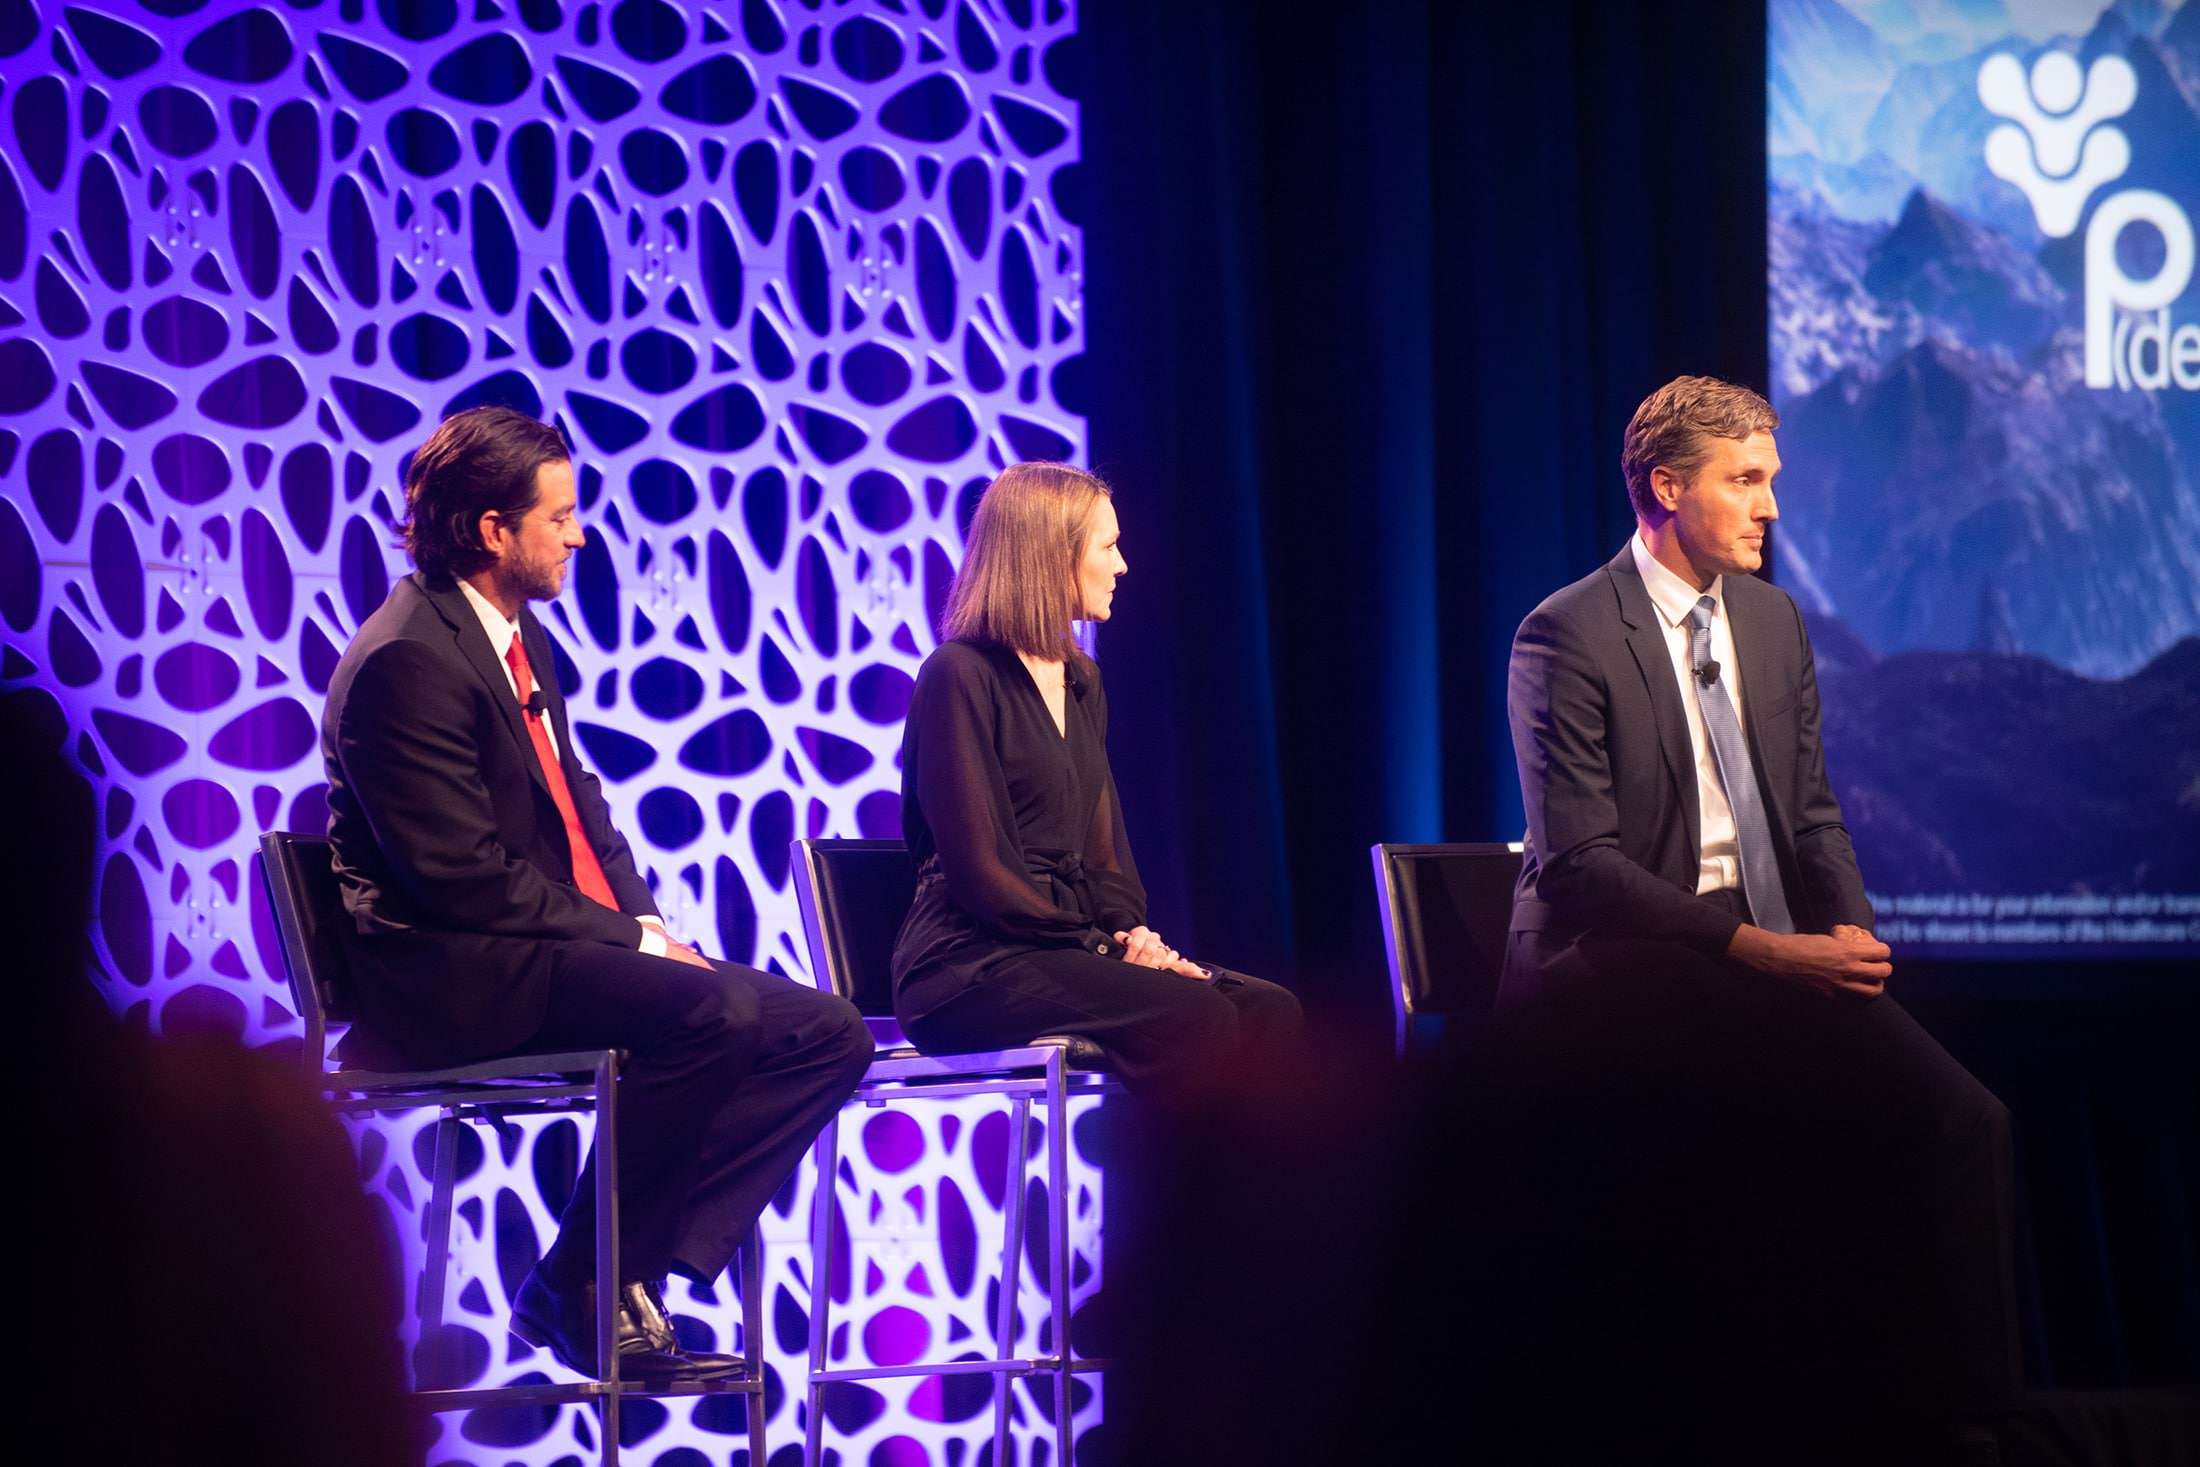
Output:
x=1143 y=947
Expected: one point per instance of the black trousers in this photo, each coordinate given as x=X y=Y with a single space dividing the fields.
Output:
x=731 y=1074
x=1165 y=1034
x=1797 y=1202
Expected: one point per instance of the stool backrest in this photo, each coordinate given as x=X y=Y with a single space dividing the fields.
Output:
x=854 y=894
x=1446 y=910
x=307 y=901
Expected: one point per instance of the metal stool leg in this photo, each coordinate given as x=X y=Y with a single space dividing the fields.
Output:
x=821 y=1287
x=607 y=1253
x=435 y=1282
x=462 y=1104
x=752 y=1337
x=1012 y=1254
x=1058 y=1245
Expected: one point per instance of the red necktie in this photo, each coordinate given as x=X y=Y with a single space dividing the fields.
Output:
x=587 y=870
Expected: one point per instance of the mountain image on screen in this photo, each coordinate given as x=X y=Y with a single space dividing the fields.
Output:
x=1998 y=559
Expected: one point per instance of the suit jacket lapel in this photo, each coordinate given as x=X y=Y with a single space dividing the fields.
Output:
x=1646 y=639
x=473 y=642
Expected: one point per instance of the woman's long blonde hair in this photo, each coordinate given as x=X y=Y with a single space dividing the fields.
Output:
x=1018 y=583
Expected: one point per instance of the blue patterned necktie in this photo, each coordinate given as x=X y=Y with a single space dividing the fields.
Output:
x=1753 y=832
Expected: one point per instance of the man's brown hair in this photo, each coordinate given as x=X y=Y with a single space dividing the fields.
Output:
x=477 y=462
x=1672 y=427
x=1018 y=582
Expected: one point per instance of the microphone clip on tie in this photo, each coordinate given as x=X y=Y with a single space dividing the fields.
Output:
x=536 y=703
x=1706 y=674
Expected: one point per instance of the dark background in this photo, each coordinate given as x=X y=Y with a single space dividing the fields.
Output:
x=1372 y=299
x=1373 y=293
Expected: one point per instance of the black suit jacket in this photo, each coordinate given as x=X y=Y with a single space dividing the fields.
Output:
x=1608 y=775
x=454 y=861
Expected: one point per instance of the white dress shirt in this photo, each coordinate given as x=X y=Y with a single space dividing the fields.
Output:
x=501 y=630
x=1720 y=854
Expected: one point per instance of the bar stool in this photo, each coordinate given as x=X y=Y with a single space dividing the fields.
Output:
x=853 y=895
x=306 y=900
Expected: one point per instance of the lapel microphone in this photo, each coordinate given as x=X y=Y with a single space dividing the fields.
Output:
x=1706 y=674
x=537 y=704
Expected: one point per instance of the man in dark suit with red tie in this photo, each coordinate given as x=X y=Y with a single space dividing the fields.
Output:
x=1690 y=926
x=494 y=909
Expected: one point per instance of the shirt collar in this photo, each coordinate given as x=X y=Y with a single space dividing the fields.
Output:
x=1673 y=597
x=501 y=628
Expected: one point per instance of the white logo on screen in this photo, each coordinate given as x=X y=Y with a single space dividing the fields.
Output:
x=2058 y=148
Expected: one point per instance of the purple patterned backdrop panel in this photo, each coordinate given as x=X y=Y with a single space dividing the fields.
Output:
x=796 y=277
x=794 y=280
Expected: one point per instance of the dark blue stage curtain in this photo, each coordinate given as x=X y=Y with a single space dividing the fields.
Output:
x=1381 y=285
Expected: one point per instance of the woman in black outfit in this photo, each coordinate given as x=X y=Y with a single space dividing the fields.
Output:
x=1029 y=917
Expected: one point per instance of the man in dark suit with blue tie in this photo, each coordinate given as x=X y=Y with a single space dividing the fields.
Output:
x=1690 y=920
x=495 y=909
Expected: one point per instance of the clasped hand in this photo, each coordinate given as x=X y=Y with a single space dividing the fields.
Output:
x=1143 y=947
x=1845 y=962
x=680 y=952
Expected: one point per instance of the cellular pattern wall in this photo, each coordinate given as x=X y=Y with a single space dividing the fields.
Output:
x=795 y=278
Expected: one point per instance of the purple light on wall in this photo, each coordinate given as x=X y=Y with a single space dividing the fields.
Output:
x=793 y=277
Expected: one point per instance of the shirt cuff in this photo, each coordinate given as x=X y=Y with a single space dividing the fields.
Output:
x=654 y=941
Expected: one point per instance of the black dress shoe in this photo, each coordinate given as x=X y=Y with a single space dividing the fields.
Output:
x=564 y=1323
x=658 y=1320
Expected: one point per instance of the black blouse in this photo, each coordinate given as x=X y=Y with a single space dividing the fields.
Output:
x=1016 y=829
